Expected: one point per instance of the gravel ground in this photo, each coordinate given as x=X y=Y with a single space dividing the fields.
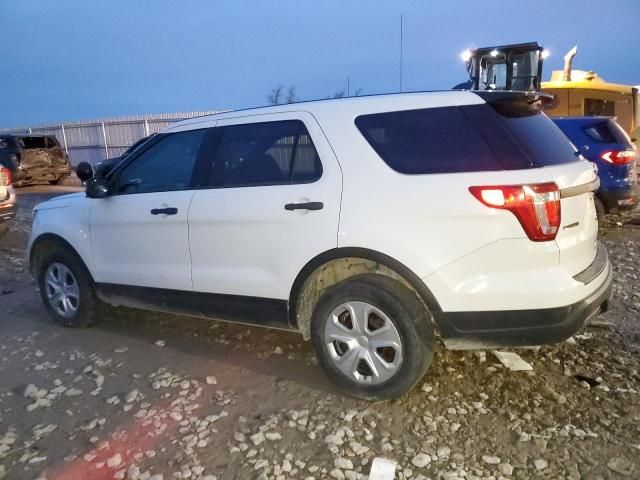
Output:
x=150 y=396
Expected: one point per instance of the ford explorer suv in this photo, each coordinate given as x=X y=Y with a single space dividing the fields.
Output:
x=374 y=226
x=602 y=141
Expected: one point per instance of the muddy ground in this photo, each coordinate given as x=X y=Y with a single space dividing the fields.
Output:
x=152 y=396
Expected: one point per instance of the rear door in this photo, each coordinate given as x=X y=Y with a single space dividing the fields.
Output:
x=270 y=203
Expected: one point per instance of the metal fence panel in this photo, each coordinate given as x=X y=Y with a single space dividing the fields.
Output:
x=94 y=140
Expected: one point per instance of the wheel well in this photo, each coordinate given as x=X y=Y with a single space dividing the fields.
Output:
x=336 y=265
x=45 y=243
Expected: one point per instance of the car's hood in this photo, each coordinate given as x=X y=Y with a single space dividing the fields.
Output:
x=61 y=201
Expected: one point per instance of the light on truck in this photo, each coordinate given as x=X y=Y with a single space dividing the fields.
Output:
x=545 y=53
x=466 y=55
x=494 y=53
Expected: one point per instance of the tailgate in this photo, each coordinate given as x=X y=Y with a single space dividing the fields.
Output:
x=577 y=236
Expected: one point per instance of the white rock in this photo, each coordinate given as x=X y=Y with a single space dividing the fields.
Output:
x=421 y=460
x=257 y=438
x=114 y=461
x=444 y=452
x=540 y=464
x=273 y=436
x=506 y=469
x=343 y=463
x=211 y=380
x=490 y=460
x=160 y=343
x=133 y=472
x=337 y=474
x=132 y=396
x=512 y=361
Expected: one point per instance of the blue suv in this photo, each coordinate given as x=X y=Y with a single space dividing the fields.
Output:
x=604 y=142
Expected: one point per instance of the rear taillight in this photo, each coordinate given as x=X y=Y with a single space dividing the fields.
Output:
x=537 y=206
x=619 y=157
x=5 y=177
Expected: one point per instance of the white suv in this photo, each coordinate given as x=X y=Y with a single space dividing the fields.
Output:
x=373 y=226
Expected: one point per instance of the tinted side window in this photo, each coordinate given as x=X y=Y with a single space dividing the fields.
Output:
x=520 y=135
x=267 y=153
x=166 y=165
x=434 y=140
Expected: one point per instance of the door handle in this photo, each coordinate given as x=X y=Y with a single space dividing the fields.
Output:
x=164 y=211
x=304 y=206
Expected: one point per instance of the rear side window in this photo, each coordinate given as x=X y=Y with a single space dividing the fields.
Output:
x=266 y=153
x=607 y=132
x=470 y=138
x=434 y=140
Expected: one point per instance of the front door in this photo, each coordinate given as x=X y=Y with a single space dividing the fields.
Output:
x=139 y=234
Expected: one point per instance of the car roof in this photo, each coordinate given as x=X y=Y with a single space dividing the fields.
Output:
x=381 y=102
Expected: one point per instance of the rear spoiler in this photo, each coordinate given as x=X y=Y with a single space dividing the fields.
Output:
x=528 y=100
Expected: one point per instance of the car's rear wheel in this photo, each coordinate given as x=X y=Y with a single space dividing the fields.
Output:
x=66 y=288
x=372 y=336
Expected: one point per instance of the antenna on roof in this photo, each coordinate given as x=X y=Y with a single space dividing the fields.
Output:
x=401 y=52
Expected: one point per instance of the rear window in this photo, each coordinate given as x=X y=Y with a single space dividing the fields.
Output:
x=469 y=138
x=607 y=132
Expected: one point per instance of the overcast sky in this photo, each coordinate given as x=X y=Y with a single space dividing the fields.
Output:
x=71 y=60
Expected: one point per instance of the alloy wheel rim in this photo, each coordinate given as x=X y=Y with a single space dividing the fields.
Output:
x=62 y=290
x=363 y=343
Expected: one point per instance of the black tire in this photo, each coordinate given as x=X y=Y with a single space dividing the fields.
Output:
x=54 y=182
x=409 y=316
x=88 y=303
x=600 y=210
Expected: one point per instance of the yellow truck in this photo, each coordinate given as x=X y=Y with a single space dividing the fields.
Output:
x=584 y=93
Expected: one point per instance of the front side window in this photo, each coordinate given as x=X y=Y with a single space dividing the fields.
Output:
x=268 y=153
x=165 y=166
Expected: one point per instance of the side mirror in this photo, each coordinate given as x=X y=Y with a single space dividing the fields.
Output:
x=84 y=171
x=98 y=187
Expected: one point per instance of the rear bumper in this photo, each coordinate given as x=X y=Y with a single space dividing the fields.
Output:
x=617 y=200
x=517 y=328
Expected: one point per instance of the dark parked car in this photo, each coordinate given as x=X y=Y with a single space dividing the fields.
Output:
x=103 y=168
x=34 y=159
x=604 y=142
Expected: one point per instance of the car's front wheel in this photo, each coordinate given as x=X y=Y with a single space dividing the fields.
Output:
x=66 y=288
x=372 y=336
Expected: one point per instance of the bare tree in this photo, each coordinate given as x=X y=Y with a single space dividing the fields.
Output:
x=358 y=91
x=291 y=94
x=274 y=97
x=339 y=94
